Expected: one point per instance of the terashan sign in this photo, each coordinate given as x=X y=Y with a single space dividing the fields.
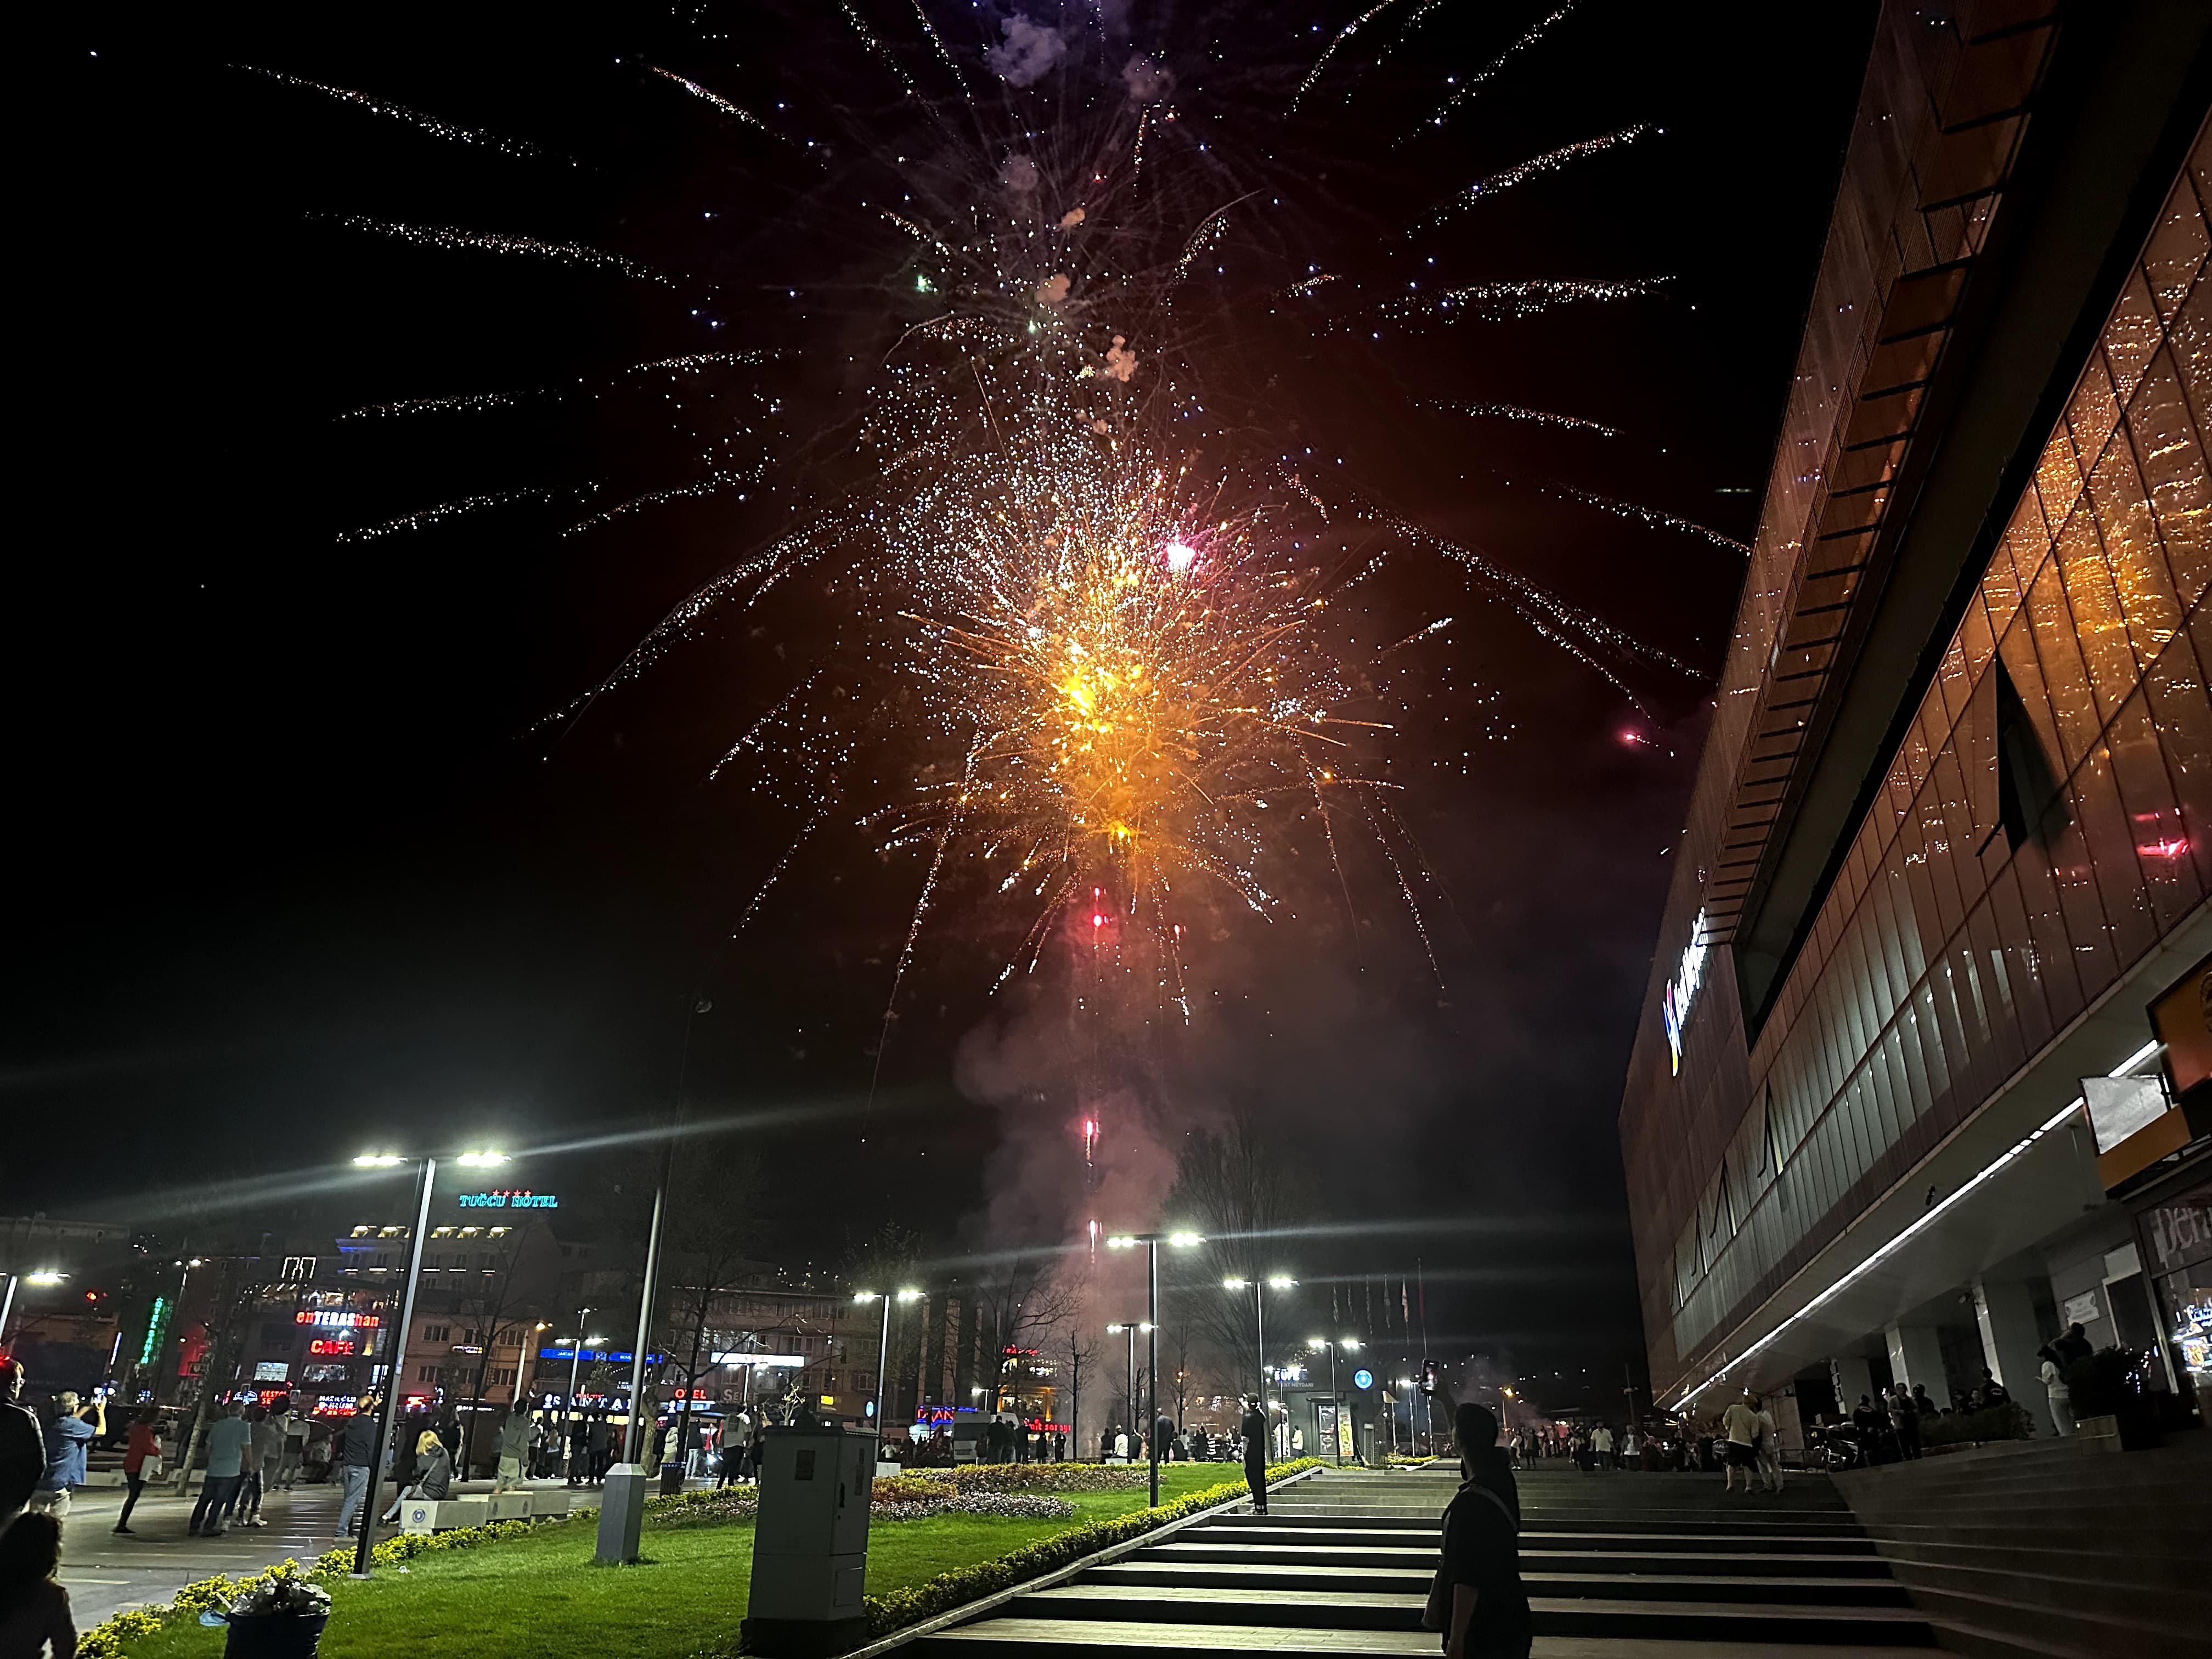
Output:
x=1681 y=989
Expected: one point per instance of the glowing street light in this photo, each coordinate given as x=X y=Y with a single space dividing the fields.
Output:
x=395 y=1366
x=1181 y=1240
x=884 y=1347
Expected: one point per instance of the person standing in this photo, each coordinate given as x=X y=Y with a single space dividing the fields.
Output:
x=229 y=1445
x=34 y=1610
x=1906 y=1418
x=67 y=1441
x=266 y=1453
x=22 y=1448
x=143 y=1444
x=1601 y=1446
x=1740 y=1422
x=296 y=1449
x=356 y=1453
x=1487 y=1614
x=601 y=1446
x=2056 y=1390
x=513 y=1446
x=1253 y=1427
x=579 y=1451
x=1768 y=1445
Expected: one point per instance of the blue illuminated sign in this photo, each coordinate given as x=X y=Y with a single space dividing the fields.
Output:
x=523 y=1200
x=1363 y=1378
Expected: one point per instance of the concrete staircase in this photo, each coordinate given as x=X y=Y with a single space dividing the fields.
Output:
x=1618 y=1566
x=2053 y=1549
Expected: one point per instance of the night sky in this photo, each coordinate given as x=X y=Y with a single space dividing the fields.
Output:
x=304 y=857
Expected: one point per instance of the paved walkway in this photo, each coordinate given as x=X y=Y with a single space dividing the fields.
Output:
x=105 y=1574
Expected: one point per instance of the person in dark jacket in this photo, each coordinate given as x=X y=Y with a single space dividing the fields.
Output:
x=23 y=1445
x=1252 y=1426
x=357 y=1454
x=1487 y=1615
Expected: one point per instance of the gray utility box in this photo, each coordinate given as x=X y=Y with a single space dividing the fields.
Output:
x=811 y=1543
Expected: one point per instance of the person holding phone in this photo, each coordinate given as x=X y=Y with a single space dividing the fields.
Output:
x=143 y=1443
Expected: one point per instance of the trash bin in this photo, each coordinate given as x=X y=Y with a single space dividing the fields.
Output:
x=274 y=1635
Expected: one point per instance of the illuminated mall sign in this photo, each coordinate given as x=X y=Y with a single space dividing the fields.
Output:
x=524 y=1200
x=1682 y=989
x=330 y=1320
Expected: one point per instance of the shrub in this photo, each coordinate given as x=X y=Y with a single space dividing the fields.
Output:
x=2005 y=1422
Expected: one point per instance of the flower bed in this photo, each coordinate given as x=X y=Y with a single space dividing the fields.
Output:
x=1037 y=1477
x=949 y=1590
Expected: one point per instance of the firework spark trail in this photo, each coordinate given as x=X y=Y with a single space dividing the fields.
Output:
x=943 y=53
x=1544 y=611
x=695 y=361
x=1651 y=516
x=735 y=112
x=1329 y=51
x=430 y=405
x=488 y=241
x=1208 y=233
x=1495 y=301
x=1529 y=38
x=519 y=147
x=890 y=62
x=1299 y=290
x=761 y=893
x=706 y=486
x=430 y=515
x=753 y=732
x=1405 y=891
x=1534 y=417
x=1549 y=162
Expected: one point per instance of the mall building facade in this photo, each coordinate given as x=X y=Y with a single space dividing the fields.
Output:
x=1923 y=1069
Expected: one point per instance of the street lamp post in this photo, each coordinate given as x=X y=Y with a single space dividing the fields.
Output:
x=1152 y=1241
x=1130 y=1327
x=1349 y=1345
x=1273 y=1282
x=883 y=1345
x=568 y=1401
x=395 y=1367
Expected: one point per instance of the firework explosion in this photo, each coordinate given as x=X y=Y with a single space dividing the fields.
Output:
x=1086 y=659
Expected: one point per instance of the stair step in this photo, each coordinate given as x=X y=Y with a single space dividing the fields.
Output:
x=1619 y=1583
x=1688 y=1622
x=1055 y=1639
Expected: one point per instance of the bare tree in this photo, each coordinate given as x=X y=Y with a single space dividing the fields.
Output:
x=713 y=1225
x=1021 y=1298
x=1078 y=1347
x=1234 y=1186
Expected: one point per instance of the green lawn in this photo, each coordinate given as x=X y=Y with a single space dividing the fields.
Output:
x=541 y=1595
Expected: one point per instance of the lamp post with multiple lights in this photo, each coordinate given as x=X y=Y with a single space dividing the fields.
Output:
x=884 y=1347
x=1152 y=1241
x=1273 y=1282
x=1317 y=1343
x=396 y=1360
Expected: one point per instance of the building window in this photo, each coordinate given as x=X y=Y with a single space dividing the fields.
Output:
x=437 y=1333
x=2026 y=792
x=426 y=1374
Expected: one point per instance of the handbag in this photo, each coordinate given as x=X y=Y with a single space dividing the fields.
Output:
x=149 y=1470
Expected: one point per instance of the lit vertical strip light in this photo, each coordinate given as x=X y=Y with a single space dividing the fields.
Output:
x=1919 y=1224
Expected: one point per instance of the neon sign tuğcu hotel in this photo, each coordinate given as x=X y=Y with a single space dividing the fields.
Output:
x=1681 y=989
x=510 y=1200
